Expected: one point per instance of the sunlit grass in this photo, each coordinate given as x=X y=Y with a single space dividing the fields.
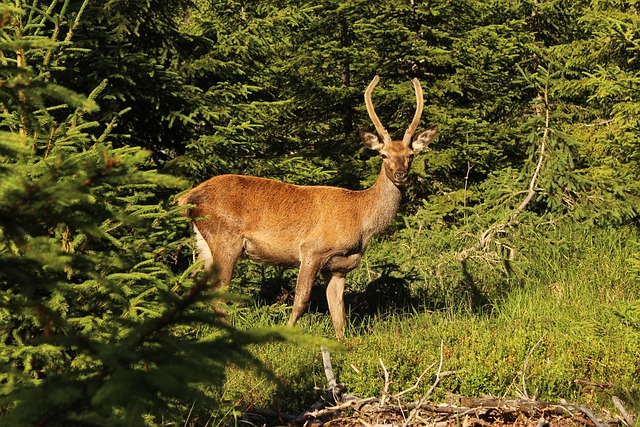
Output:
x=566 y=326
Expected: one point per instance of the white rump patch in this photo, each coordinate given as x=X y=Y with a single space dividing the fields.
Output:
x=202 y=249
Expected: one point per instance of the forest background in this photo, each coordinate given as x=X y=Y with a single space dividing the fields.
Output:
x=517 y=245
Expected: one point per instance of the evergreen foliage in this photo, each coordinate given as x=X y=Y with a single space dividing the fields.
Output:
x=97 y=308
x=134 y=51
x=109 y=109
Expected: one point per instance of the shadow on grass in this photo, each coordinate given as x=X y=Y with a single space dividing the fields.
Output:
x=394 y=291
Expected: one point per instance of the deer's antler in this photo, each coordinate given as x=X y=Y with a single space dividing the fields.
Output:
x=386 y=138
x=416 y=117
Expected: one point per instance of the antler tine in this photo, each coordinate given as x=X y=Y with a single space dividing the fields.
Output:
x=416 y=117
x=372 y=113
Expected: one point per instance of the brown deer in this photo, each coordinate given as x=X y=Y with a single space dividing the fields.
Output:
x=316 y=228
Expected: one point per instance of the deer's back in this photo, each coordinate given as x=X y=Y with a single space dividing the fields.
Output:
x=275 y=218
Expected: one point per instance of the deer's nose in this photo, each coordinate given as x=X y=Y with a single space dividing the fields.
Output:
x=401 y=175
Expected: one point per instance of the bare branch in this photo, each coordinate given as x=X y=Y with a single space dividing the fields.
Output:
x=526 y=365
x=385 y=389
x=536 y=173
x=628 y=419
x=422 y=401
x=413 y=387
x=488 y=235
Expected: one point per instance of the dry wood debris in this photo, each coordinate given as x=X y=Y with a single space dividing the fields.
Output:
x=470 y=412
x=338 y=408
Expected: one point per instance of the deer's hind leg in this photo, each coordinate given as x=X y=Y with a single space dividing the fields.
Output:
x=221 y=258
x=221 y=252
x=225 y=257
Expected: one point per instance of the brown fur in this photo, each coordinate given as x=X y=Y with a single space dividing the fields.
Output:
x=316 y=228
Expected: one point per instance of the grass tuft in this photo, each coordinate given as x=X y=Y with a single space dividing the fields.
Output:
x=562 y=322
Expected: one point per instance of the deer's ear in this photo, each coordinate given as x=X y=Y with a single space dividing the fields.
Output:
x=371 y=140
x=421 y=141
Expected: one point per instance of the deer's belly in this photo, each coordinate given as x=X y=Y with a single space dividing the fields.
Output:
x=272 y=252
x=343 y=263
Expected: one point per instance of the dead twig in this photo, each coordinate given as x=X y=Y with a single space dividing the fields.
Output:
x=328 y=369
x=334 y=390
x=385 y=389
x=526 y=366
x=413 y=387
x=590 y=415
x=433 y=386
x=628 y=419
x=369 y=411
x=483 y=411
x=354 y=403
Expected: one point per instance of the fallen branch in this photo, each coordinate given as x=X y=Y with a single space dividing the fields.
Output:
x=480 y=410
x=628 y=419
x=328 y=369
x=385 y=389
x=413 y=413
x=484 y=411
x=334 y=390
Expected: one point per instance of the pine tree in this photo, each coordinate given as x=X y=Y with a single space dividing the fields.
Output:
x=600 y=84
x=246 y=122
x=135 y=52
x=97 y=307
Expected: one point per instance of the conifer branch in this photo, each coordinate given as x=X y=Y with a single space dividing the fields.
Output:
x=171 y=314
x=488 y=235
x=138 y=338
x=76 y=21
x=534 y=178
x=54 y=39
x=21 y=63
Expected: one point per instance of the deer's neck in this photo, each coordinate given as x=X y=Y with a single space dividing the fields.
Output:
x=380 y=205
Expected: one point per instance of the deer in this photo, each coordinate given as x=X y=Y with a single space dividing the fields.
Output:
x=319 y=229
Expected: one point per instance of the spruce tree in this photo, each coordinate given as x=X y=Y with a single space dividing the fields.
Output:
x=135 y=51
x=600 y=91
x=97 y=306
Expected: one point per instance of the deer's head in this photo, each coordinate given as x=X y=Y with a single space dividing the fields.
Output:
x=397 y=155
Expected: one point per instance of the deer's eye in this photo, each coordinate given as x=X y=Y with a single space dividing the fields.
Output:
x=384 y=156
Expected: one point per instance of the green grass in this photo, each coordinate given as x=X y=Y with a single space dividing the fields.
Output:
x=562 y=322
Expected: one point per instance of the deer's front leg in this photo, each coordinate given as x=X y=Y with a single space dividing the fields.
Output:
x=335 y=274
x=308 y=270
x=335 y=298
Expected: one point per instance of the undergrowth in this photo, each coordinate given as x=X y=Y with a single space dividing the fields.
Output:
x=560 y=321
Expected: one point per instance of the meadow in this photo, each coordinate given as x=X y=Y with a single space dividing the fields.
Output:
x=562 y=322
x=514 y=258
